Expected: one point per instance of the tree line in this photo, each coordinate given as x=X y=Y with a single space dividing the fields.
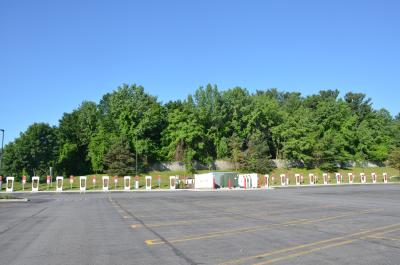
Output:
x=130 y=127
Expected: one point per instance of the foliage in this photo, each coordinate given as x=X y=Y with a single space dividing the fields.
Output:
x=320 y=130
x=119 y=159
x=394 y=158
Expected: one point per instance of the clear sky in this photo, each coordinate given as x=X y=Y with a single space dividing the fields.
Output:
x=55 y=54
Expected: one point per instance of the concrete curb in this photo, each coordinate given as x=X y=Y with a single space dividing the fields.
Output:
x=14 y=200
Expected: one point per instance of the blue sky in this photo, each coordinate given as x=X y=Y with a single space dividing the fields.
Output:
x=55 y=54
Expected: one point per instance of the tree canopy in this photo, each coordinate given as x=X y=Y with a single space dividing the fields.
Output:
x=321 y=130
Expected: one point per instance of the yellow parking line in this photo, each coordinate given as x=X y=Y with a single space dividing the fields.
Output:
x=165 y=224
x=362 y=234
x=386 y=238
x=301 y=253
x=257 y=228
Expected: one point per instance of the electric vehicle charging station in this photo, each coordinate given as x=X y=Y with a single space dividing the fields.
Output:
x=82 y=183
x=105 y=182
x=9 y=184
x=59 y=183
x=35 y=184
x=127 y=183
x=148 y=182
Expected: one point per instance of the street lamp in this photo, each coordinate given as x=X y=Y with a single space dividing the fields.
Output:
x=2 y=143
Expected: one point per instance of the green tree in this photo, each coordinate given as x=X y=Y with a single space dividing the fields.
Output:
x=35 y=150
x=394 y=159
x=119 y=159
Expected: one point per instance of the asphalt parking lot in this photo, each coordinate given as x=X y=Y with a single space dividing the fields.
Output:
x=309 y=225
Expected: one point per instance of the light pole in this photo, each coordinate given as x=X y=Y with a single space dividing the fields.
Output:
x=2 y=143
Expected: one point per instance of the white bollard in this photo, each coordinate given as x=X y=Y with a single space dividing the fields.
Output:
x=373 y=176
x=9 y=184
x=35 y=184
x=136 y=182
x=172 y=182
x=363 y=178
x=297 y=177
x=325 y=177
x=351 y=178
x=59 y=183
x=283 y=180
x=23 y=182
x=312 y=178
x=385 y=178
x=82 y=183
x=127 y=183
x=148 y=182
x=105 y=182
x=338 y=178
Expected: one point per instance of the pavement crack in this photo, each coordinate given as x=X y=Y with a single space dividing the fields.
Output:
x=22 y=221
x=176 y=251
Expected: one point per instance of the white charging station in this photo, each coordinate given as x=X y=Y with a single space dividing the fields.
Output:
x=297 y=177
x=105 y=180
x=82 y=183
x=385 y=177
x=148 y=182
x=283 y=180
x=312 y=178
x=35 y=184
x=351 y=177
x=373 y=176
x=172 y=182
x=9 y=184
x=325 y=177
x=363 y=178
x=59 y=183
x=127 y=182
x=338 y=178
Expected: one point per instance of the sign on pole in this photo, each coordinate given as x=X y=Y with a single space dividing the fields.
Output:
x=136 y=182
x=115 y=182
x=23 y=182
x=94 y=182
x=48 y=179
x=71 y=181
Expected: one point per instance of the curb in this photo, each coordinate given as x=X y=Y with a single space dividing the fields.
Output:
x=14 y=200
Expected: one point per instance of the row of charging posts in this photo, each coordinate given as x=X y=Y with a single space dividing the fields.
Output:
x=338 y=176
x=82 y=183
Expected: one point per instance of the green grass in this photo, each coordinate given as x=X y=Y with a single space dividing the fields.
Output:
x=164 y=175
x=6 y=197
